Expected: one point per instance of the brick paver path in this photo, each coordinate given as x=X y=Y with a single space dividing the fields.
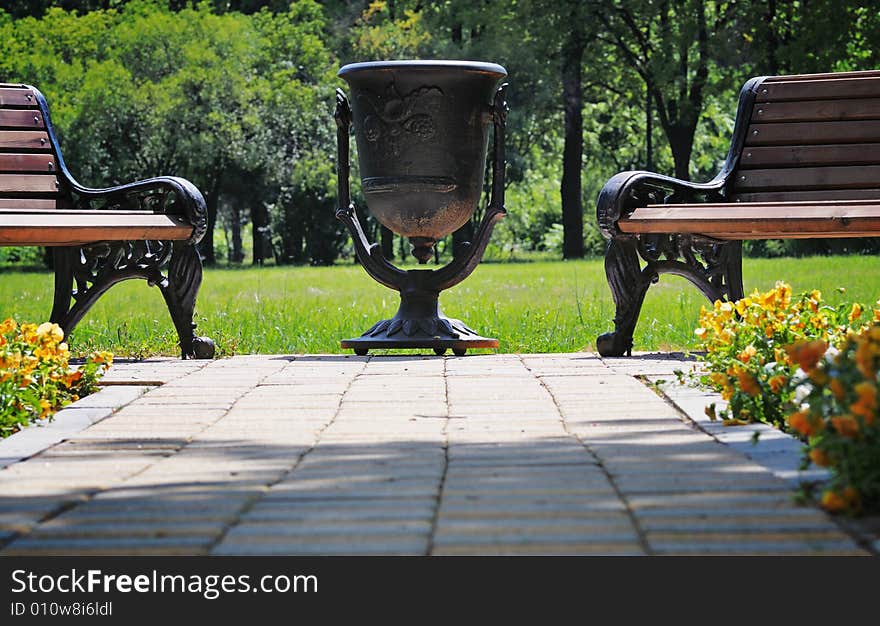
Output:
x=500 y=454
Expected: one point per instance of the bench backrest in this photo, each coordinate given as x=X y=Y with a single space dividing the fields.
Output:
x=812 y=137
x=28 y=165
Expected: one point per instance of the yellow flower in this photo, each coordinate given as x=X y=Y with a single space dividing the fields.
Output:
x=8 y=326
x=856 y=312
x=748 y=352
x=50 y=331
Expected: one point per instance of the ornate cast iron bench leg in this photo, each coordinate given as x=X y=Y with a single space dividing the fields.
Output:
x=714 y=267
x=628 y=288
x=96 y=268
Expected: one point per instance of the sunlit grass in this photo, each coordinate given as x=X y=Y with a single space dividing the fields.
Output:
x=529 y=307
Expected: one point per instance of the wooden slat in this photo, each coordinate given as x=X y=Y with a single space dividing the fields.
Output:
x=13 y=85
x=817 y=110
x=17 y=97
x=34 y=204
x=80 y=227
x=819 y=89
x=823 y=76
x=26 y=118
x=17 y=162
x=811 y=133
x=25 y=140
x=803 y=178
x=757 y=221
x=30 y=183
x=809 y=196
x=833 y=154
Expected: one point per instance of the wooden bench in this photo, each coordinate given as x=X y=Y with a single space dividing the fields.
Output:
x=804 y=163
x=99 y=237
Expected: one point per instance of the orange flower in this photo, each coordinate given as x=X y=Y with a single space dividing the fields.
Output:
x=866 y=405
x=852 y=497
x=865 y=359
x=833 y=501
x=803 y=422
x=776 y=383
x=807 y=353
x=845 y=425
x=837 y=388
x=748 y=383
x=819 y=458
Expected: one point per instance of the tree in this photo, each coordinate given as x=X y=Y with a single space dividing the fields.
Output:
x=671 y=45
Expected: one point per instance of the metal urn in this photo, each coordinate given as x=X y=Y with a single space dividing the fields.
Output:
x=422 y=130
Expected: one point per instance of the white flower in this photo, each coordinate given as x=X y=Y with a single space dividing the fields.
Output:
x=830 y=354
x=802 y=391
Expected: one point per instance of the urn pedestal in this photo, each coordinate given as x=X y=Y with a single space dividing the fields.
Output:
x=422 y=130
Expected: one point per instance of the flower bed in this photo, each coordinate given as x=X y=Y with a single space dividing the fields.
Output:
x=807 y=368
x=36 y=379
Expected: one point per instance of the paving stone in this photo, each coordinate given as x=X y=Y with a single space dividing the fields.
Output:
x=542 y=549
x=343 y=547
x=138 y=546
x=111 y=397
x=335 y=454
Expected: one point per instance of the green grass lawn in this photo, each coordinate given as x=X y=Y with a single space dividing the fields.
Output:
x=529 y=307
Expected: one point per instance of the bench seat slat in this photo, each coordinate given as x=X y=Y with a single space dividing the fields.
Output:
x=14 y=205
x=19 y=162
x=795 y=156
x=810 y=133
x=28 y=183
x=817 y=110
x=57 y=228
x=809 y=196
x=25 y=118
x=17 y=97
x=24 y=140
x=823 y=76
x=807 y=178
x=787 y=220
x=863 y=87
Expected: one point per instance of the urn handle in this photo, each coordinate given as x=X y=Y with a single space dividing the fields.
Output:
x=369 y=254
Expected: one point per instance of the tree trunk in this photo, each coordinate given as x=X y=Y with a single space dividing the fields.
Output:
x=236 y=255
x=206 y=245
x=649 y=132
x=386 y=236
x=681 y=141
x=572 y=155
x=260 y=233
x=772 y=42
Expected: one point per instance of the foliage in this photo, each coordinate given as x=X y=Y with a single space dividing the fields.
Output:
x=755 y=346
x=838 y=415
x=36 y=379
x=237 y=96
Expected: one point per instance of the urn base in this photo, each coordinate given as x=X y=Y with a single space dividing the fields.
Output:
x=419 y=323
